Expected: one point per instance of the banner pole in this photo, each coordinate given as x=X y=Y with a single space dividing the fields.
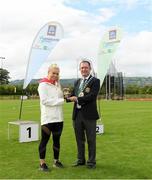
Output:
x=21 y=104
x=98 y=98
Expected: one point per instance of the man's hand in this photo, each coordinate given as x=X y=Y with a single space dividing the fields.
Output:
x=73 y=98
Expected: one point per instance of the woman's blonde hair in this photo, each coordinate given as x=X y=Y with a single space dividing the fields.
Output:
x=53 y=66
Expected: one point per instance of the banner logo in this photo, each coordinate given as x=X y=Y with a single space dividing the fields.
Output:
x=51 y=30
x=112 y=34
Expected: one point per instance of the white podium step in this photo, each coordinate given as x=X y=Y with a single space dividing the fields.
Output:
x=28 y=130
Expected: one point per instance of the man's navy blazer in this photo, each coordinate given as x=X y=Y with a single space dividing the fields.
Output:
x=88 y=101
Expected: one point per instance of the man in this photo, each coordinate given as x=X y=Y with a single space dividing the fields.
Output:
x=85 y=114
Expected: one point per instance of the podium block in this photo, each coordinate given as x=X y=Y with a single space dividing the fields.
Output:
x=28 y=130
x=99 y=129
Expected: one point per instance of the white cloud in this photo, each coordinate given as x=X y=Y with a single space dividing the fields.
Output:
x=131 y=3
x=19 y=26
x=134 y=57
x=127 y=4
x=106 y=13
x=20 y=21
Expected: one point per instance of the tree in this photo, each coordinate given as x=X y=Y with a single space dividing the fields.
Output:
x=32 y=89
x=4 y=76
x=132 y=89
x=7 y=89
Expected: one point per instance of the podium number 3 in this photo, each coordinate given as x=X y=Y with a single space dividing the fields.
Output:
x=29 y=132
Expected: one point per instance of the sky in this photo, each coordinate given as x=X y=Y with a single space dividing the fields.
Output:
x=84 y=23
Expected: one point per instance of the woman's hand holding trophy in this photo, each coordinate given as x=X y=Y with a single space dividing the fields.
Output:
x=66 y=93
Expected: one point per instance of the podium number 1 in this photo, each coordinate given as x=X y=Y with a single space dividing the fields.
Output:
x=29 y=132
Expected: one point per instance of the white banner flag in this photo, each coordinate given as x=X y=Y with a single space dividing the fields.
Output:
x=44 y=42
x=107 y=48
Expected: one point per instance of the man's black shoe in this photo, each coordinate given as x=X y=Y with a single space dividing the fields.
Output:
x=91 y=166
x=44 y=167
x=78 y=164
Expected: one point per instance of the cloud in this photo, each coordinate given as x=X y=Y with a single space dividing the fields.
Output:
x=134 y=57
x=70 y=51
x=131 y=3
x=125 y=4
x=106 y=13
x=17 y=32
x=20 y=21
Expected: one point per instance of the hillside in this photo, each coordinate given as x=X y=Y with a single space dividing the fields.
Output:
x=140 y=81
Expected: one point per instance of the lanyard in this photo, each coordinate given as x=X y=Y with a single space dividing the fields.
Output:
x=84 y=83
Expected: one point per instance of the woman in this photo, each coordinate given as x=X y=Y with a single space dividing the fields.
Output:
x=51 y=101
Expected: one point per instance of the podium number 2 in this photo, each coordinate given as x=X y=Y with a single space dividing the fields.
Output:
x=29 y=132
x=97 y=129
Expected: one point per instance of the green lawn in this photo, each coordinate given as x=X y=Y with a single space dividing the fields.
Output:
x=124 y=151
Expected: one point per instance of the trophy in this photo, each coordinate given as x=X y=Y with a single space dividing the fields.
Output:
x=66 y=92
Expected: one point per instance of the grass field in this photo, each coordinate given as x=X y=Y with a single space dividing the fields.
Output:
x=124 y=151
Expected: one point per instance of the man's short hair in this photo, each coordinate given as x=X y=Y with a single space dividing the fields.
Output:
x=85 y=61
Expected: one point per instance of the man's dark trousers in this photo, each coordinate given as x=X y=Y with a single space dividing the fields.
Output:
x=83 y=126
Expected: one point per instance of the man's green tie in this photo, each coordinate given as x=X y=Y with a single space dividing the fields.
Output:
x=82 y=84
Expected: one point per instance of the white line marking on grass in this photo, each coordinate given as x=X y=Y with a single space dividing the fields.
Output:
x=31 y=106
